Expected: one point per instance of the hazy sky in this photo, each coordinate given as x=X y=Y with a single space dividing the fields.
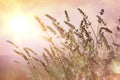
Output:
x=29 y=8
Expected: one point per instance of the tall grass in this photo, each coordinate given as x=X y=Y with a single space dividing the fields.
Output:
x=83 y=54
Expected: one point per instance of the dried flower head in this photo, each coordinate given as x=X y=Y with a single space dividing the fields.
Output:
x=102 y=12
x=51 y=30
x=12 y=43
x=41 y=23
x=106 y=29
x=67 y=16
x=82 y=13
x=50 y=17
x=69 y=24
x=101 y=21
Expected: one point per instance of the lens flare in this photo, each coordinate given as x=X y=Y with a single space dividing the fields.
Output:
x=22 y=27
x=19 y=25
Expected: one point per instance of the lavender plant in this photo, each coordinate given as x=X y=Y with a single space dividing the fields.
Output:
x=82 y=53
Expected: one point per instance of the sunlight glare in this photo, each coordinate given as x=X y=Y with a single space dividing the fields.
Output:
x=115 y=67
x=19 y=25
x=22 y=27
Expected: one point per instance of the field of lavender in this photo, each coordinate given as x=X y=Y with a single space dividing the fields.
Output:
x=76 y=53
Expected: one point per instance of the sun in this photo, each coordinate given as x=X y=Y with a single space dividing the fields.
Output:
x=19 y=25
x=22 y=27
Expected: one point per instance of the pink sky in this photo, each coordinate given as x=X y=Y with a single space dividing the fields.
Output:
x=55 y=8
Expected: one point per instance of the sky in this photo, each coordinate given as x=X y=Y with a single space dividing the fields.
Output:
x=27 y=9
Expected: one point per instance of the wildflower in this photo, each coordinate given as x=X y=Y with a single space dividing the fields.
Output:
x=45 y=58
x=53 y=19
x=36 y=59
x=42 y=24
x=28 y=49
x=24 y=57
x=27 y=52
x=102 y=12
x=18 y=52
x=82 y=12
x=69 y=24
x=67 y=17
x=100 y=20
x=106 y=29
x=12 y=43
x=49 y=39
x=52 y=30
x=61 y=31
